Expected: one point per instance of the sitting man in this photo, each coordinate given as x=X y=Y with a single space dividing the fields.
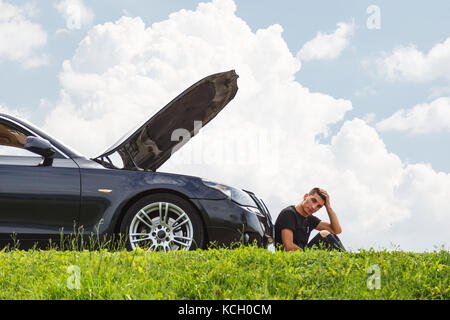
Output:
x=295 y=223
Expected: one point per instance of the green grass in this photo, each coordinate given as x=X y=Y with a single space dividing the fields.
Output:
x=242 y=273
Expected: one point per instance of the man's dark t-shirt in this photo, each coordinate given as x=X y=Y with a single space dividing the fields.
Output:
x=289 y=218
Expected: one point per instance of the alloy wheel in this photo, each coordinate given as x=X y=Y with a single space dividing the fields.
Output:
x=161 y=226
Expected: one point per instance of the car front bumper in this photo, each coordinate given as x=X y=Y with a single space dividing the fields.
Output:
x=229 y=223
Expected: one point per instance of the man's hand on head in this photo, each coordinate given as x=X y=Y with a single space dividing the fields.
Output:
x=327 y=197
x=334 y=225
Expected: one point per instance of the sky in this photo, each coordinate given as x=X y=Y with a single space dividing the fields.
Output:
x=351 y=96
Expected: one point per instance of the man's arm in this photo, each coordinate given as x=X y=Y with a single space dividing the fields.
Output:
x=287 y=236
x=333 y=227
x=336 y=229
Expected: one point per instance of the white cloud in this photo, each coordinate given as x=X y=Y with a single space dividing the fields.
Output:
x=370 y=175
x=264 y=140
x=21 y=39
x=75 y=13
x=327 y=46
x=407 y=63
x=385 y=202
x=422 y=118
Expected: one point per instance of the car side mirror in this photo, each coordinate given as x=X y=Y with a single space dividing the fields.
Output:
x=41 y=147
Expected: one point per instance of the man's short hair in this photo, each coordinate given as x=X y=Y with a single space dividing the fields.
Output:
x=317 y=190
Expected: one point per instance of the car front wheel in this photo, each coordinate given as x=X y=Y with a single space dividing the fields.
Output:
x=162 y=222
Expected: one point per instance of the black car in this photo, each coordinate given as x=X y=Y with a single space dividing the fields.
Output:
x=47 y=190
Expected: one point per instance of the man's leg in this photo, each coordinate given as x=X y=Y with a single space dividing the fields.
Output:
x=326 y=240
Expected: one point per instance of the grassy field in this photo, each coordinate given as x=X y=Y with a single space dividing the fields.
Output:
x=242 y=273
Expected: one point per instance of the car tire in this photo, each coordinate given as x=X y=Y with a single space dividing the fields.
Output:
x=162 y=222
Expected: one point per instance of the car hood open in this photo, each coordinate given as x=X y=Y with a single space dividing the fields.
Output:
x=152 y=144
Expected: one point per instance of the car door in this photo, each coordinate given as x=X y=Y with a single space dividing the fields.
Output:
x=36 y=201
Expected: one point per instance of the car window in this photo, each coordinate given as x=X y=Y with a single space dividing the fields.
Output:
x=12 y=142
x=10 y=136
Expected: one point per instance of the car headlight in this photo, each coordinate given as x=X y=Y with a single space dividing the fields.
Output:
x=231 y=193
x=255 y=211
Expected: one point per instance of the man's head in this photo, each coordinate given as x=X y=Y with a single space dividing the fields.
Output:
x=313 y=201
